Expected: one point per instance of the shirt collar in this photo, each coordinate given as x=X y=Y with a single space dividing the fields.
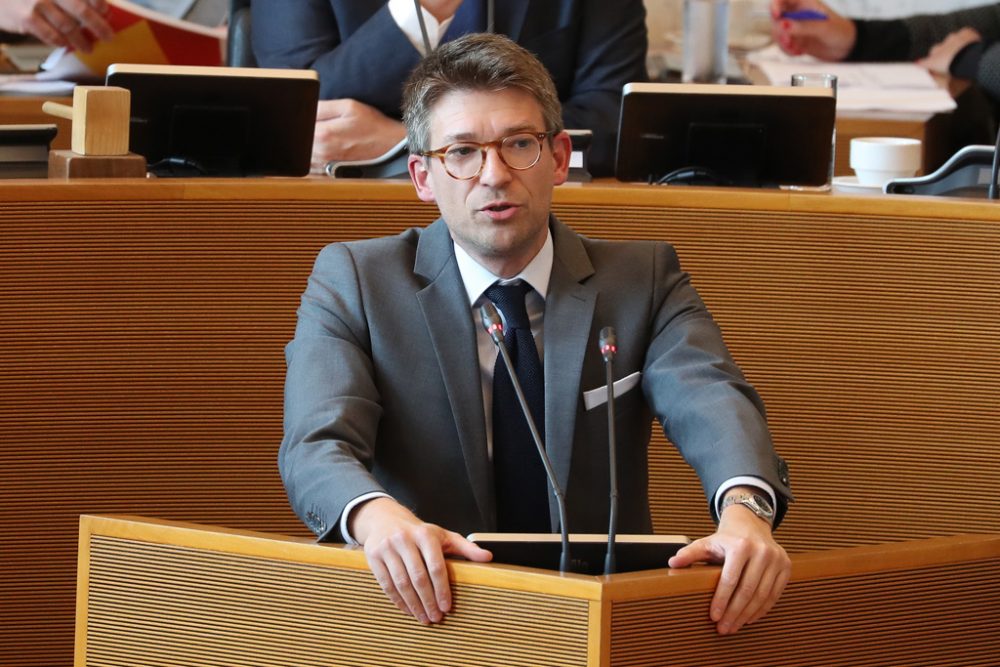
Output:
x=477 y=278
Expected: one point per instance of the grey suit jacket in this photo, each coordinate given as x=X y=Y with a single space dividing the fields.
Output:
x=383 y=391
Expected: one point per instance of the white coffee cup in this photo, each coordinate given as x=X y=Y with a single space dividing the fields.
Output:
x=878 y=160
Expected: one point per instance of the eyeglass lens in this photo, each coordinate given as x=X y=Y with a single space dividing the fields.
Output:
x=518 y=151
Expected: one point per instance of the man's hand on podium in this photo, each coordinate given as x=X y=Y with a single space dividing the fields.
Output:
x=406 y=555
x=755 y=568
x=348 y=130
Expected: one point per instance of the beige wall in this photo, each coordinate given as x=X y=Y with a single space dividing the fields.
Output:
x=662 y=16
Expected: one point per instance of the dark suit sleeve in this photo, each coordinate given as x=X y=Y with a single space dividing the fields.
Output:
x=981 y=63
x=912 y=37
x=363 y=55
x=591 y=47
x=699 y=395
x=332 y=406
x=610 y=52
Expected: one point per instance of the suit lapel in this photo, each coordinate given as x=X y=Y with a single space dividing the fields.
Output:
x=569 y=313
x=448 y=318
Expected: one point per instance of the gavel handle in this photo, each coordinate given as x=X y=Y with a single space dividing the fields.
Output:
x=56 y=109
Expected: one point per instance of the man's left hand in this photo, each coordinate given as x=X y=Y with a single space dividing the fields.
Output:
x=755 y=568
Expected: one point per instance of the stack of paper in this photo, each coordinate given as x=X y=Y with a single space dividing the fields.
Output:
x=863 y=86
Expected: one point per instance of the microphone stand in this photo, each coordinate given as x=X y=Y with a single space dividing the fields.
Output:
x=494 y=327
x=608 y=344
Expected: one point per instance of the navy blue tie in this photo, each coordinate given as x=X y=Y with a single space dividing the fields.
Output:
x=470 y=17
x=521 y=486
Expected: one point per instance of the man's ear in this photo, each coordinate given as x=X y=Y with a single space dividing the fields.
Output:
x=562 y=147
x=421 y=177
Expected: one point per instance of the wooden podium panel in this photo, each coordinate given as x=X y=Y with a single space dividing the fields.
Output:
x=157 y=593
x=163 y=593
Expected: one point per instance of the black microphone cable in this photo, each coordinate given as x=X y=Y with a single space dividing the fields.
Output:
x=423 y=25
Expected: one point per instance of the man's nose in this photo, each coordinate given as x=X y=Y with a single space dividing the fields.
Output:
x=495 y=170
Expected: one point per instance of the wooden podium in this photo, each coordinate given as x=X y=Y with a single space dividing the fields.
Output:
x=164 y=593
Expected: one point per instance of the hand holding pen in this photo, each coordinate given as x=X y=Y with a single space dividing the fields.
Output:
x=810 y=27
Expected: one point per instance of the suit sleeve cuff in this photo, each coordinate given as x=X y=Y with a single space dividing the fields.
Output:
x=743 y=480
x=346 y=515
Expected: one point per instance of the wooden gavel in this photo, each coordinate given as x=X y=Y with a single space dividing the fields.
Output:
x=100 y=117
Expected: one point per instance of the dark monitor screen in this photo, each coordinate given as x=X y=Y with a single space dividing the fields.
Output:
x=220 y=121
x=725 y=134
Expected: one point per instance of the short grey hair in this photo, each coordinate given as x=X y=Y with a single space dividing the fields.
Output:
x=475 y=62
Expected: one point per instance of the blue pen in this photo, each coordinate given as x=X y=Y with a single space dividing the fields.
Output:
x=805 y=15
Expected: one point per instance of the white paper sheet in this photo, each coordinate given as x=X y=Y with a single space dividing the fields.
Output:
x=863 y=86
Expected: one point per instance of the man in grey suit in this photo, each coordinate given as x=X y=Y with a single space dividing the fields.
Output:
x=391 y=439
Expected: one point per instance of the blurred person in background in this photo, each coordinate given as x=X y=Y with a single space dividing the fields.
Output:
x=963 y=43
x=75 y=23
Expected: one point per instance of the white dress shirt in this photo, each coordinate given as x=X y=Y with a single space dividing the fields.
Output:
x=404 y=13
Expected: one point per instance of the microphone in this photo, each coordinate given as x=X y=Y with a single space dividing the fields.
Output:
x=494 y=327
x=607 y=341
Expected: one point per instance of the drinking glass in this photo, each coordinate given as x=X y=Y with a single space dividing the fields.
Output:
x=819 y=80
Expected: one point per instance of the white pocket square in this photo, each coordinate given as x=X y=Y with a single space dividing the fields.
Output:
x=599 y=396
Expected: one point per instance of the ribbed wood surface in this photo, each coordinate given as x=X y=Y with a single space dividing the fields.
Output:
x=873 y=341
x=152 y=604
x=141 y=357
x=945 y=616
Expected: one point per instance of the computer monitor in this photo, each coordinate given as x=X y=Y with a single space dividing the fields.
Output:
x=725 y=134
x=220 y=121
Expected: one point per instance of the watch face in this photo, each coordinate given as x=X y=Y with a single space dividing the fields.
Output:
x=763 y=503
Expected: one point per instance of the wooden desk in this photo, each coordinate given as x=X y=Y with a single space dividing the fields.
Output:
x=933 y=130
x=142 y=327
x=165 y=593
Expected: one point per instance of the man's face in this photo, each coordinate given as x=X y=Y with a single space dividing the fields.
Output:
x=501 y=216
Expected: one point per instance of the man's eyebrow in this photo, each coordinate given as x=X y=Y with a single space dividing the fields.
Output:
x=471 y=136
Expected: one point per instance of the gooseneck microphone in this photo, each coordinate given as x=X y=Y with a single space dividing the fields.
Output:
x=607 y=341
x=494 y=327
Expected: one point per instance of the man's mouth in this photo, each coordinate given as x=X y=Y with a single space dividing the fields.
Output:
x=500 y=211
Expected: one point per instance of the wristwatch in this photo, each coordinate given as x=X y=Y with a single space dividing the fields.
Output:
x=755 y=502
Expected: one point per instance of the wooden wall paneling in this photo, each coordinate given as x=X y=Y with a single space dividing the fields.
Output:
x=142 y=328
